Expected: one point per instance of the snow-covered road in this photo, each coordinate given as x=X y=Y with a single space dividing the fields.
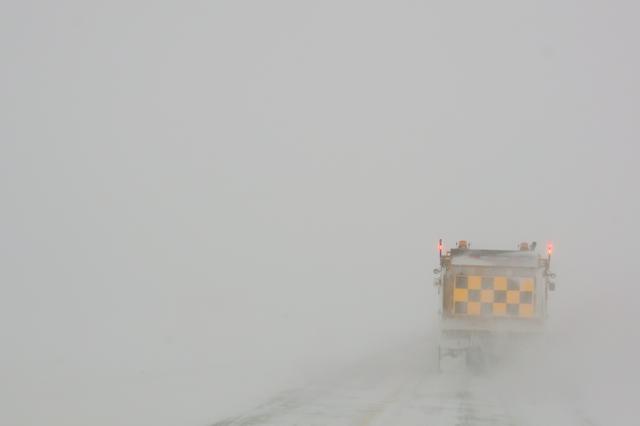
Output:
x=405 y=388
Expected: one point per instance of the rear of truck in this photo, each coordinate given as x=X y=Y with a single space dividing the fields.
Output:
x=490 y=298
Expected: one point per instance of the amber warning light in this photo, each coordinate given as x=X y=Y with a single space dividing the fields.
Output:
x=440 y=247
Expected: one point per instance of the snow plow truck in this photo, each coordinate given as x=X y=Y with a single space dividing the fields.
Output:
x=490 y=298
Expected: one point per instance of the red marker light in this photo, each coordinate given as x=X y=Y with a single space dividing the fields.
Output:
x=549 y=248
x=440 y=247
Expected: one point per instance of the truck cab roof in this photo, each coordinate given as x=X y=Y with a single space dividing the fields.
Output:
x=506 y=258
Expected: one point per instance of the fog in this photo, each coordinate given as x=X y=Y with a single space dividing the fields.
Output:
x=206 y=203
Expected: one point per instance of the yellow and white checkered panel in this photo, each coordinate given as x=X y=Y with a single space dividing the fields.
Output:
x=493 y=296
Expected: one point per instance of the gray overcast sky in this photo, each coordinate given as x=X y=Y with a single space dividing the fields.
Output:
x=198 y=183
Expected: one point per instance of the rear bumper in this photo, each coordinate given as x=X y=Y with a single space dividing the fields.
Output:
x=492 y=326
